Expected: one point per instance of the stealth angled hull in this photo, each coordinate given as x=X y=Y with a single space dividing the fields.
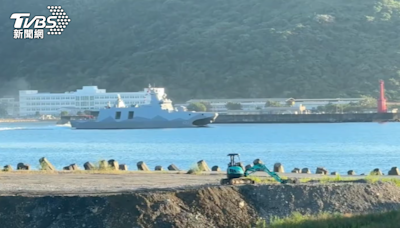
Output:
x=143 y=123
x=158 y=114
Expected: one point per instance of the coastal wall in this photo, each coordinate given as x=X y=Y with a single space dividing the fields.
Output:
x=308 y=118
x=228 y=206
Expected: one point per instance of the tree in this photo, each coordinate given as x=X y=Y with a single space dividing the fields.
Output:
x=368 y=102
x=79 y=113
x=37 y=113
x=290 y=102
x=197 y=106
x=272 y=104
x=207 y=105
x=233 y=106
x=64 y=113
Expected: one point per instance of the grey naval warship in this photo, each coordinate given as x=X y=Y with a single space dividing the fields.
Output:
x=159 y=113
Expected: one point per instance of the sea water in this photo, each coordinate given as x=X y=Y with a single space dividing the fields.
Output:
x=336 y=146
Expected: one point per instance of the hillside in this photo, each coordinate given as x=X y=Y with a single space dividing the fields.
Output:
x=210 y=49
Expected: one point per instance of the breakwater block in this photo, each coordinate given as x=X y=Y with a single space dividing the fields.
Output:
x=257 y=161
x=22 y=166
x=351 y=172
x=158 y=168
x=142 y=166
x=203 y=166
x=123 y=167
x=278 y=167
x=71 y=167
x=88 y=166
x=296 y=170
x=103 y=164
x=45 y=164
x=7 y=168
x=306 y=170
x=215 y=168
x=173 y=167
x=376 y=172
x=394 y=171
x=321 y=170
x=113 y=164
x=334 y=173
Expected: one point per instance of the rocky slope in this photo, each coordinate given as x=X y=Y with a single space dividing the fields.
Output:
x=225 y=206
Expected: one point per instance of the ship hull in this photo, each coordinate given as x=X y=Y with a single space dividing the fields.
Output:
x=141 y=123
x=159 y=113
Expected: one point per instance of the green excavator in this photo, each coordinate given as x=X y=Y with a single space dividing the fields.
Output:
x=237 y=174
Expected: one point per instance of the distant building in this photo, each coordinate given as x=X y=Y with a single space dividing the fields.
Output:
x=314 y=103
x=251 y=104
x=87 y=98
x=10 y=104
x=300 y=109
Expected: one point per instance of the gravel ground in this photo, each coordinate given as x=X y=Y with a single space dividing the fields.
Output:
x=32 y=182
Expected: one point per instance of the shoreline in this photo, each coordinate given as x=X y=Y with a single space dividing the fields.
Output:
x=24 y=120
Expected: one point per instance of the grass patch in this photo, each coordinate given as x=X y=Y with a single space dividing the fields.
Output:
x=194 y=169
x=373 y=179
x=336 y=178
x=329 y=179
x=334 y=220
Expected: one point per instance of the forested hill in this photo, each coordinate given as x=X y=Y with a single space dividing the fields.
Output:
x=210 y=48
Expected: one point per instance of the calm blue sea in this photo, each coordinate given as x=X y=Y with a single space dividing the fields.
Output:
x=337 y=147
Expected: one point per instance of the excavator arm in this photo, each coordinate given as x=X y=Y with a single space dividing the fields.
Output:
x=261 y=167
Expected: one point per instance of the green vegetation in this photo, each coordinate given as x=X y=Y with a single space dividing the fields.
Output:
x=233 y=106
x=208 y=49
x=328 y=179
x=367 y=103
x=197 y=106
x=272 y=104
x=194 y=169
x=326 y=220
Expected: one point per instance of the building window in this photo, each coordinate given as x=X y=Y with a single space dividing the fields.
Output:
x=118 y=115
x=130 y=115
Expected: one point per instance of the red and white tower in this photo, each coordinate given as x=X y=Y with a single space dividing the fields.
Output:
x=382 y=100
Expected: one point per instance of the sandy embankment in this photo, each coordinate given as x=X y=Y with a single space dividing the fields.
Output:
x=121 y=200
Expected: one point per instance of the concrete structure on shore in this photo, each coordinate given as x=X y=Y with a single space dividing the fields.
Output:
x=252 y=104
x=89 y=98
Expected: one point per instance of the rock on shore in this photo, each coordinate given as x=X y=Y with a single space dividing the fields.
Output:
x=218 y=206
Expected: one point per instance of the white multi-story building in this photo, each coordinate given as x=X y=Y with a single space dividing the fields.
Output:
x=89 y=98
